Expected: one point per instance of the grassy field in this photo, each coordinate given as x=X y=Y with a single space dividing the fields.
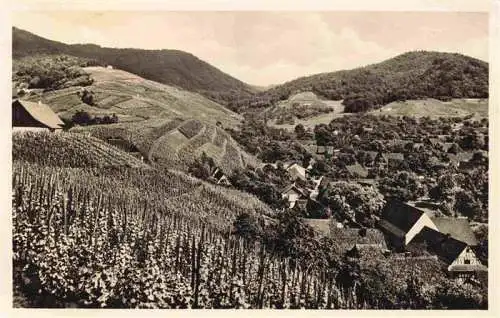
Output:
x=436 y=108
x=133 y=98
x=337 y=111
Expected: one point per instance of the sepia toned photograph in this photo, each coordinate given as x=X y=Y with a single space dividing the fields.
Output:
x=250 y=159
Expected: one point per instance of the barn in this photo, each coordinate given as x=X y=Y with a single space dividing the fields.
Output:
x=458 y=256
x=402 y=221
x=34 y=117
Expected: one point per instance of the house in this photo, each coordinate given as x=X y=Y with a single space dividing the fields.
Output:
x=401 y=222
x=296 y=171
x=457 y=228
x=458 y=257
x=292 y=193
x=220 y=178
x=34 y=117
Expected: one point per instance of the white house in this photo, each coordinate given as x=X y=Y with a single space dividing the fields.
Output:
x=292 y=193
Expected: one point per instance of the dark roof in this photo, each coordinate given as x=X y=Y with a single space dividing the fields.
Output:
x=349 y=237
x=295 y=188
x=444 y=246
x=388 y=227
x=357 y=170
x=41 y=112
x=401 y=215
x=458 y=229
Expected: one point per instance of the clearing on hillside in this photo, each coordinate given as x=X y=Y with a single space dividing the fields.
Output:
x=133 y=98
x=436 y=108
x=304 y=108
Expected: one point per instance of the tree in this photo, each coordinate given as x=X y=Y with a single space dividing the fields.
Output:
x=300 y=131
x=404 y=186
x=445 y=189
x=466 y=204
x=81 y=118
x=353 y=201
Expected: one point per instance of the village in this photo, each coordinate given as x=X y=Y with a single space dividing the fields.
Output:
x=409 y=230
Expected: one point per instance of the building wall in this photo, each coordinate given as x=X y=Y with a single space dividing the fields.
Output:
x=467 y=254
x=292 y=197
x=418 y=226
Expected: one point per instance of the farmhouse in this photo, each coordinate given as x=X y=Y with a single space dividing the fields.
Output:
x=220 y=178
x=458 y=256
x=34 y=116
x=401 y=222
x=292 y=193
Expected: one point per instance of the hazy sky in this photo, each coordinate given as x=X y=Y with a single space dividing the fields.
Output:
x=263 y=48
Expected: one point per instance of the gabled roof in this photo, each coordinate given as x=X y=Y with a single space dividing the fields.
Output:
x=41 y=112
x=458 y=229
x=401 y=215
x=387 y=226
x=294 y=188
x=444 y=246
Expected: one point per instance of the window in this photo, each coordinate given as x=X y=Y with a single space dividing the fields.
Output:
x=467 y=261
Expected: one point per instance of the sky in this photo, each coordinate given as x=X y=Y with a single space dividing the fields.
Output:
x=265 y=48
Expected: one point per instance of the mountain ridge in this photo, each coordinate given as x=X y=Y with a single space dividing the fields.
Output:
x=171 y=67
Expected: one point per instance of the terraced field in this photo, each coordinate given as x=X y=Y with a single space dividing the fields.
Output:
x=177 y=143
x=133 y=98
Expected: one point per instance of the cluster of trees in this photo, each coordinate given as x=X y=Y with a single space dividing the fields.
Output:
x=50 y=72
x=270 y=144
x=83 y=118
x=264 y=183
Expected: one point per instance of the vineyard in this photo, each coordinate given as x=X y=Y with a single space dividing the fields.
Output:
x=140 y=237
x=113 y=248
x=68 y=150
x=177 y=143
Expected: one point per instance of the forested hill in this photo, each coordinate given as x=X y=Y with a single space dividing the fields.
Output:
x=171 y=67
x=412 y=75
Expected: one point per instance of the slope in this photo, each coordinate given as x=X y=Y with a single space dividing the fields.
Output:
x=413 y=75
x=172 y=67
x=177 y=143
x=133 y=98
